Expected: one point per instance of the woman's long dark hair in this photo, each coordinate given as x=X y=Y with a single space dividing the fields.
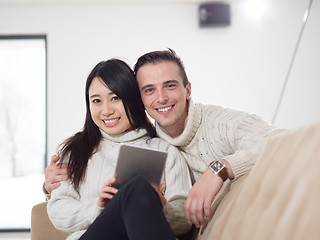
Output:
x=120 y=79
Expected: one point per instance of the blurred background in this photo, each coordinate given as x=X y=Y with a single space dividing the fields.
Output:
x=266 y=61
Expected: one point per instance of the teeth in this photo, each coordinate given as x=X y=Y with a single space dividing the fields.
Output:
x=164 y=109
x=110 y=121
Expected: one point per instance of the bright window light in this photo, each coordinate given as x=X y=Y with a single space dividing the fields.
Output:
x=22 y=128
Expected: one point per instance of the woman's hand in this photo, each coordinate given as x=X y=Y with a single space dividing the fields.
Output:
x=161 y=194
x=107 y=192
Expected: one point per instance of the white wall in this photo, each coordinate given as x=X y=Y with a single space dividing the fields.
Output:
x=242 y=66
x=301 y=99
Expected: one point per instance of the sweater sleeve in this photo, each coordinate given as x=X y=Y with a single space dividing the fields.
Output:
x=178 y=184
x=250 y=135
x=67 y=212
x=48 y=195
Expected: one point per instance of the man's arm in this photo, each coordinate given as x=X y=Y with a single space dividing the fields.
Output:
x=198 y=203
x=55 y=174
x=247 y=135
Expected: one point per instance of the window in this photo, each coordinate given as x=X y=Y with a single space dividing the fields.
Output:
x=22 y=128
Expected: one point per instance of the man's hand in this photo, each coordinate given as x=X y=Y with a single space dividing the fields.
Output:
x=198 y=203
x=55 y=174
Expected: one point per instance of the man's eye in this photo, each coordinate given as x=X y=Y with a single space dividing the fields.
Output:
x=148 y=90
x=171 y=86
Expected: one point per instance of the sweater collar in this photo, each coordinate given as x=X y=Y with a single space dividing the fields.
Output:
x=127 y=136
x=193 y=123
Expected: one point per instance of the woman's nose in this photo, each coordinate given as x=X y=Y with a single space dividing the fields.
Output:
x=107 y=110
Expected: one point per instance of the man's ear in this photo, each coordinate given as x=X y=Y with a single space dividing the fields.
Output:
x=188 y=88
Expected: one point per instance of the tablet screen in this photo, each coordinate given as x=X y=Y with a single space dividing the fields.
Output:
x=135 y=160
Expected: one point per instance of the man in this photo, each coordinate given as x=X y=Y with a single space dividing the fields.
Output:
x=206 y=134
x=219 y=143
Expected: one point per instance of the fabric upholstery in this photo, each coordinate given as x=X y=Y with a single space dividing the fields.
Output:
x=41 y=227
x=279 y=198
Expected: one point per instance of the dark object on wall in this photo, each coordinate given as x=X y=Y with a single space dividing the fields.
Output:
x=214 y=14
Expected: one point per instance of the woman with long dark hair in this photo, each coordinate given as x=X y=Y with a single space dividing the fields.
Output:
x=86 y=205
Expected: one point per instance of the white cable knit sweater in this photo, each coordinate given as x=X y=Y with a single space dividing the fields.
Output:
x=72 y=213
x=215 y=133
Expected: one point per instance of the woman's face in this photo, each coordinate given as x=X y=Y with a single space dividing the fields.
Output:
x=107 y=110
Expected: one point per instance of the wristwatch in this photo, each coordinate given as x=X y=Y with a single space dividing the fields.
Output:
x=220 y=169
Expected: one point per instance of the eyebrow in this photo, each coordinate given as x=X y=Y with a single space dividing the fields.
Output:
x=94 y=95
x=164 y=83
x=147 y=86
x=171 y=81
x=98 y=95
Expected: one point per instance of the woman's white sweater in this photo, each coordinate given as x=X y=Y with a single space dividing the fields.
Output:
x=72 y=212
x=215 y=133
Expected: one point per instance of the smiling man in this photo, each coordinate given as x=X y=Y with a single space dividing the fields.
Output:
x=219 y=143
x=164 y=94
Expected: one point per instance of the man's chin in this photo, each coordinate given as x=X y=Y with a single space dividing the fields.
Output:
x=165 y=124
x=164 y=120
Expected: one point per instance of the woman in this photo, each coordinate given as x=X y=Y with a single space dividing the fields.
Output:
x=86 y=205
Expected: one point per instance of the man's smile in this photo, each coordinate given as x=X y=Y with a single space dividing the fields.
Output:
x=164 y=109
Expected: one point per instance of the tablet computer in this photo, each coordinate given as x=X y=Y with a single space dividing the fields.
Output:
x=136 y=160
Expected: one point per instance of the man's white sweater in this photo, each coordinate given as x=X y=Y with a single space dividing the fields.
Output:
x=72 y=212
x=215 y=133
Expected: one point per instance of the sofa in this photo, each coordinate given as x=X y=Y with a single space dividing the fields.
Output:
x=278 y=199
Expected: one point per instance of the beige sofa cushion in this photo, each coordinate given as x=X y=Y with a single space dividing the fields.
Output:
x=41 y=227
x=279 y=198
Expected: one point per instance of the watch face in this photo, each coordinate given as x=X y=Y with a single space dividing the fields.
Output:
x=216 y=166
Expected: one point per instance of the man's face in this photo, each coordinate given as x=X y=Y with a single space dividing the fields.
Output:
x=164 y=96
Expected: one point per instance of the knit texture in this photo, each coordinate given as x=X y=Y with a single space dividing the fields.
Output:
x=73 y=213
x=215 y=133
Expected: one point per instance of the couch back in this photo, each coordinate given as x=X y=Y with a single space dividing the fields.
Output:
x=279 y=198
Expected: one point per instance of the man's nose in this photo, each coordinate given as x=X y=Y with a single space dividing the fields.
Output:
x=163 y=97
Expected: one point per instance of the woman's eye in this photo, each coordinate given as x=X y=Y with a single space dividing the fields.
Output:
x=96 y=100
x=114 y=98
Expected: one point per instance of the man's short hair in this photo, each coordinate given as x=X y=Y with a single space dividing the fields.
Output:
x=162 y=56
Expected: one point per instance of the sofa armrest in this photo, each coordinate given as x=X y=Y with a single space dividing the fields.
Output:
x=41 y=227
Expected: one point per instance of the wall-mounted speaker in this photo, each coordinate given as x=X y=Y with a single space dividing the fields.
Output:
x=214 y=14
